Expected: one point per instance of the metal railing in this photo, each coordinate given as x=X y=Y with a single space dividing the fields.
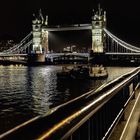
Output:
x=90 y=116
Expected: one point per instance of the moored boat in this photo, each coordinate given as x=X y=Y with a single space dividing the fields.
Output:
x=79 y=72
x=64 y=73
x=83 y=72
x=98 y=72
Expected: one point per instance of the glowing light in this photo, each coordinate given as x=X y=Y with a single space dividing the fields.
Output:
x=57 y=126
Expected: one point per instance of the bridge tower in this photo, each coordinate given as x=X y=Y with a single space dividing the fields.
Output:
x=36 y=27
x=98 y=36
x=36 y=37
x=39 y=45
x=45 y=36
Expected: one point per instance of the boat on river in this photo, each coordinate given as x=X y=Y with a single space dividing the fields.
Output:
x=79 y=72
x=83 y=72
x=65 y=72
x=98 y=72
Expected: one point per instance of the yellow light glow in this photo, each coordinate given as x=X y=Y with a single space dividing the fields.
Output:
x=59 y=125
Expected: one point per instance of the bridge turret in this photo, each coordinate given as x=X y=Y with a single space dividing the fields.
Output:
x=41 y=16
x=46 y=21
x=36 y=27
x=98 y=37
x=40 y=33
x=37 y=52
x=45 y=35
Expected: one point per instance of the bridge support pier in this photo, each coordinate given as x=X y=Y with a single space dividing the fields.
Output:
x=36 y=58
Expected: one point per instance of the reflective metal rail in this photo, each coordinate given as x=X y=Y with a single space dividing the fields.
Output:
x=90 y=116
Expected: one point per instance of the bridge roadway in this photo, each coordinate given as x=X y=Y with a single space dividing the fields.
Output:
x=10 y=55
x=87 y=54
x=122 y=54
x=75 y=54
x=49 y=55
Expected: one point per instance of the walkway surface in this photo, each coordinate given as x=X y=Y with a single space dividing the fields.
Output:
x=129 y=126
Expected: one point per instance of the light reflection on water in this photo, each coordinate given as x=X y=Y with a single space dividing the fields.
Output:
x=29 y=91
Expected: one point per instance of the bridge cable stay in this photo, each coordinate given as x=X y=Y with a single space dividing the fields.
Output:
x=21 y=46
x=122 y=47
x=118 y=40
x=21 y=42
x=122 y=43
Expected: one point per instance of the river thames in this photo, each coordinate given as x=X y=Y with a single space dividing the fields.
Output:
x=26 y=92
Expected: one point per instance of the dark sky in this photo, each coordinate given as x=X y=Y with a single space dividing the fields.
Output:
x=123 y=16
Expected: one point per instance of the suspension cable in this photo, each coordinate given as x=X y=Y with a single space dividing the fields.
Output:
x=121 y=42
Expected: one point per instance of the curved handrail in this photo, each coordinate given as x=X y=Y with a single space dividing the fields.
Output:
x=77 y=111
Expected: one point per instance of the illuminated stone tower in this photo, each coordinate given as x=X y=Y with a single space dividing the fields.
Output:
x=40 y=38
x=98 y=36
x=40 y=34
x=37 y=40
x=45 y=34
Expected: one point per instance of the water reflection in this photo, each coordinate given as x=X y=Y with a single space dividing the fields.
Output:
x=41 y=85
x=29 y=91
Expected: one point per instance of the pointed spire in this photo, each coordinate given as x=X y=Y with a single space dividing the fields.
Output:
x=99 y=8
x=46 y=21
x=104 y=15
x=40 y=15
x=33 y=15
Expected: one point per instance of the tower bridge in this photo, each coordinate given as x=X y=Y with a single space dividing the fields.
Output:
x=36 y=44
x=95 y=114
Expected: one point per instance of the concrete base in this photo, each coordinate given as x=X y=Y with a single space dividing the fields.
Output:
x=36 y=58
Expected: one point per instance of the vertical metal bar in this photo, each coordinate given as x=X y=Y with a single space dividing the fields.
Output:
x=96 y=127
x=91 y=128
x=89 y=132
x=116 y=46
x=112 y=46
x=108 y=45
x=71 y=138
x=125 y=50
x=120 y=49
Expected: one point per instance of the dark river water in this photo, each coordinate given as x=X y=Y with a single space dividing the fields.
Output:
x=26 y=92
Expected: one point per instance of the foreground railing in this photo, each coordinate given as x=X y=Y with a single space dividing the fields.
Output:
x=90 y=116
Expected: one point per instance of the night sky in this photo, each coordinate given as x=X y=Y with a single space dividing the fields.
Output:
x=123 y=16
